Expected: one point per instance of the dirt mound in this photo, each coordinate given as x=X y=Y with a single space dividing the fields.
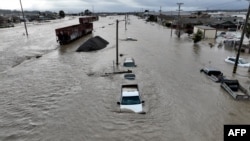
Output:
x=95 y=43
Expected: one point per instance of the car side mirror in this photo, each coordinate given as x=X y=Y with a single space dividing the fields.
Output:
x=143 y=101
x=201 y=70
x=118 y=103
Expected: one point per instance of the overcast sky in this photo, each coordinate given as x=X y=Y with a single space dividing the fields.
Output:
x=122 y=5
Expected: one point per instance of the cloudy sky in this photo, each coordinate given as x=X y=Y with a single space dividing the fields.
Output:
x=122 y=5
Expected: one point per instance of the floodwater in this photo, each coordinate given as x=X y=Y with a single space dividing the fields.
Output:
x=52 y=93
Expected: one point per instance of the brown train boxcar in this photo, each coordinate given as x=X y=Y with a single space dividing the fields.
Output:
x=88 y=19
x=70 y=33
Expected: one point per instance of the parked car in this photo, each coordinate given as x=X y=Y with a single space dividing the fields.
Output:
x=222 y=34
x=130 y=99
x=129 y=62
x=241 y=62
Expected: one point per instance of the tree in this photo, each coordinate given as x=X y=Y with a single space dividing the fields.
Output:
x=152 y=18
x=199 y=13
x=61 y=14
x=189 y=29
x=87 y=12
x=198 y=36
x=168 y=24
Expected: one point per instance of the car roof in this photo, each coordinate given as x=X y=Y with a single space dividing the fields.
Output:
x=130 y=93
x=129 y=60
x=211 y=69
x=235 y=57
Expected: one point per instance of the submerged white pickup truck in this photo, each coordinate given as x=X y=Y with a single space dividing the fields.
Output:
x=130 y=99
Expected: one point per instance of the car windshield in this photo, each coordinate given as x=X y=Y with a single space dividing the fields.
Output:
x=130 y=100
x=129 y=76
x=232 y=59
x=242 y=61
x=129 y=64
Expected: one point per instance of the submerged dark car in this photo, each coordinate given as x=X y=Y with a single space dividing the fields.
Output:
x=129 y=76
x=213 y=74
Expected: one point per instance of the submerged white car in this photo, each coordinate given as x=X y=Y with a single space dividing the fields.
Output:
x=241 y=62
x=130 y=99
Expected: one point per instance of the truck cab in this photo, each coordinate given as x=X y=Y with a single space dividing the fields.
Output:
x=130 y=99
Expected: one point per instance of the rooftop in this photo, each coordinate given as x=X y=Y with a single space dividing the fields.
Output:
x=206 y=27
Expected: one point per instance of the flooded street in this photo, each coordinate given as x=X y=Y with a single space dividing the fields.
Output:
x=52 y=93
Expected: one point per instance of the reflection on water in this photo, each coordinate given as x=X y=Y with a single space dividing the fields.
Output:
x=64 y=96
x=196 y=49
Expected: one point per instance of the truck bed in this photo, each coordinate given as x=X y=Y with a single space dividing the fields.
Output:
x=234 y=88
x=130 y=88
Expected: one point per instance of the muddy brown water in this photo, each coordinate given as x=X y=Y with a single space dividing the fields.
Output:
x=63 y=95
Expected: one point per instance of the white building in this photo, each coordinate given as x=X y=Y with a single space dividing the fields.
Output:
x=208 y=32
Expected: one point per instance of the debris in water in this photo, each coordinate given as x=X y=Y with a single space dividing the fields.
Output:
x=95 y=43
x=129 y=39
x=117 y=72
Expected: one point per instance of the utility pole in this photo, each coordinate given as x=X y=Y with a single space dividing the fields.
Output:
x=160 y=10
x=179 y=29
x=172 y=24
x=126 y=18
x=24 y=19
x=241 y=39
x=117 y=61
x=160 y=15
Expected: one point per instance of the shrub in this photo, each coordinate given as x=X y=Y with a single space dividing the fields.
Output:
x=198 y=36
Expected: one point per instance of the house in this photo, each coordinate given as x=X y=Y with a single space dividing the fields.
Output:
x=4 y=21
x=208 y=32
x=223 y=25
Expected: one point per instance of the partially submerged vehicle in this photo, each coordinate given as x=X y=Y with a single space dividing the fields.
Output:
x=213 y=74
x=129 y=62
x=130 y=99
x=241 y=62
x=235 y=89
x=129 y=76
x=130 y=39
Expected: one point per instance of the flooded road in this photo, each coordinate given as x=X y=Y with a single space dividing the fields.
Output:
x=63 y=95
